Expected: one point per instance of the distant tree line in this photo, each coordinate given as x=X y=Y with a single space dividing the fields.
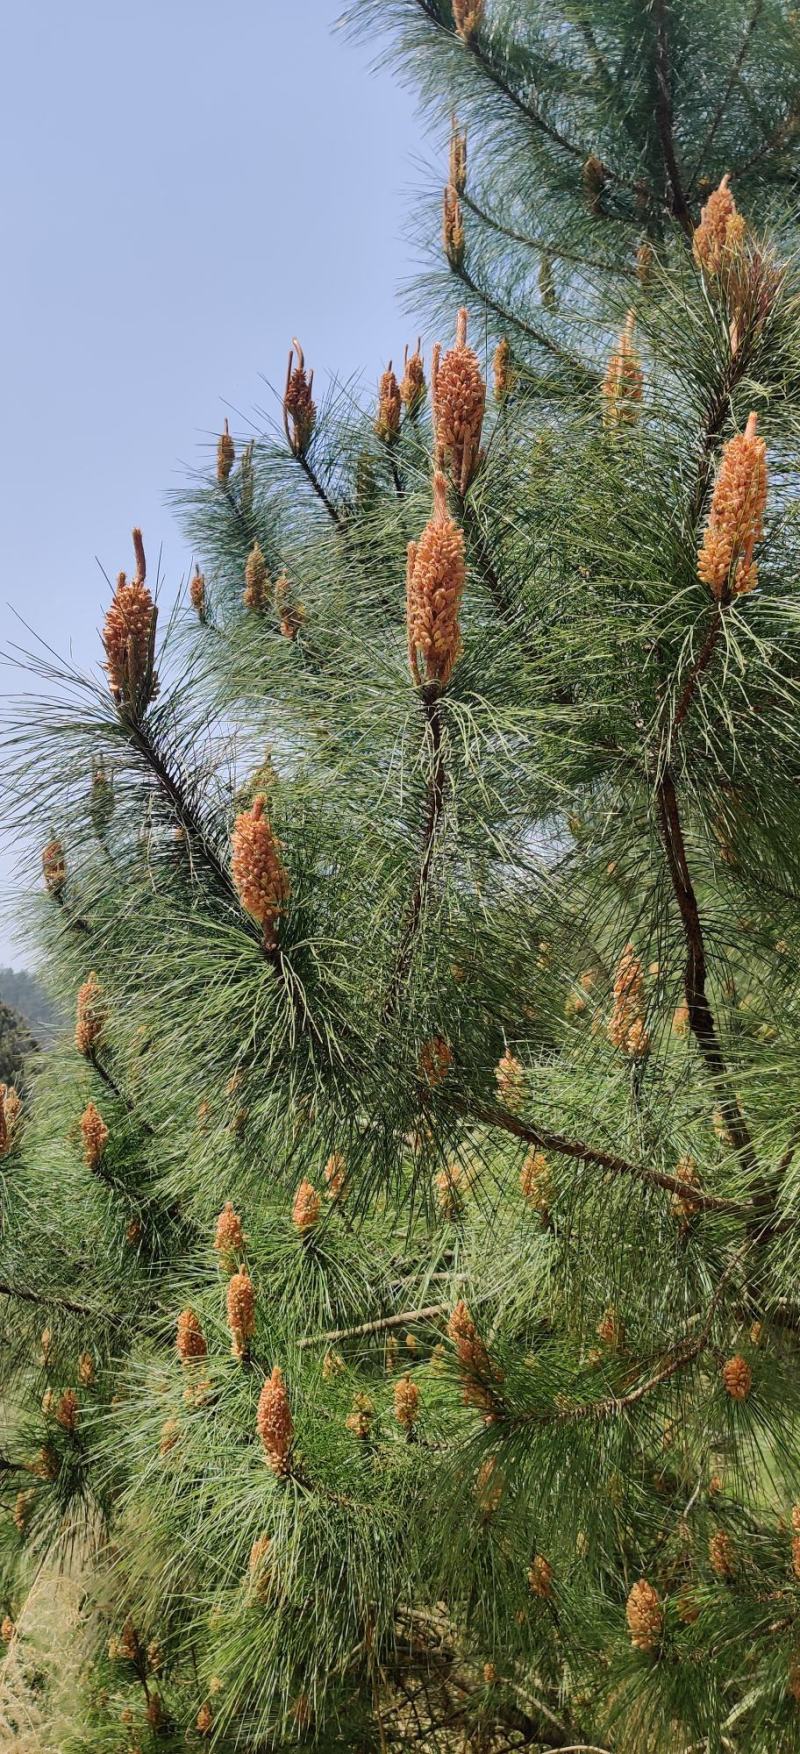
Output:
x=21 y=992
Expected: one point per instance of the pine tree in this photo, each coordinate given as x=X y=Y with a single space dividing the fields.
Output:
x=398 y=1255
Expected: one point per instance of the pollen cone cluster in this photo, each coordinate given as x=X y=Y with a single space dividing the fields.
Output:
x=458 y=158
x=737 y=1377
x=448 y=1183
x=226 y=455
x=54 y=867
x=390 y=407
x=94 y=1133
x=23 y=1505
x=412 y=383
x=259 y=1579
x=684 y=1206
x=197 y=593
x=299 y=409
x=291 y=614
x=10 y=1111
x=501 y=370
x=169 y=1436
x=644 y=1615
x=67 y=1410
x=459 y=398
x=129 y=633
x=736 y=519
x=540 y=1577
x=476 y=1365
x=190 y=1341
x=47 y=1465
x=489 y=1486
x=292 y=620
x=262 y=884
x=547 y=285
x=509 y=1076
x=721 y=1553
x=623 y=384
x=246 y=479
x=335 y=1173
x=748 y=277
x=467 y=17
x=720 y=233
x=796 y=1555
x=360 y=1418
x=229 y=1236
x=256 y=581
x=274 y=1421
x=435 y=579
x=680 y=1020
x=435 y=1060
x=101 y=800
x=626 y=1027
x=645 y=257
x=128 y=1644
x=406 y=1403
x=611 y=1329
x=594 y=177
x=536 y=1182
x=241 y=1311
x=90 y=1015
x=452 y=227
x=306 y=1206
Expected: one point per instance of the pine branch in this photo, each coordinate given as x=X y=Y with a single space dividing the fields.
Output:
x=583 y=1153
x=664 y=117
x=434 y=808
x=677 y=1357
x=701 y=1016
x=698 y=669
x=681 y=1355
x=792 y=1147
x=611 y=84
x=75 y=922
x=111 y=1084
x=9 y=1467
x=780 y=135
x=25 y=1295
x=600 y=63
x=544 y=246
x=141 y=738
x=380 y=1325
x=584 y=374
x=230 y=497
x=143 y=741
x=311 y=476
x=711 y=132
x=493 y=74
x=498 y=591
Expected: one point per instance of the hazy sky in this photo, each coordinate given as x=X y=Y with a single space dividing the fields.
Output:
x=185 y=185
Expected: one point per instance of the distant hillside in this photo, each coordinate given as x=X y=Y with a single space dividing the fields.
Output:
x=16 y=1041
x=21 y=992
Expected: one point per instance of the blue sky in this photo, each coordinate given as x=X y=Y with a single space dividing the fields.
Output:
x=185 y=185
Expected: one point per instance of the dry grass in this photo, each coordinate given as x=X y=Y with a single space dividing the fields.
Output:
x=39 y=1669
